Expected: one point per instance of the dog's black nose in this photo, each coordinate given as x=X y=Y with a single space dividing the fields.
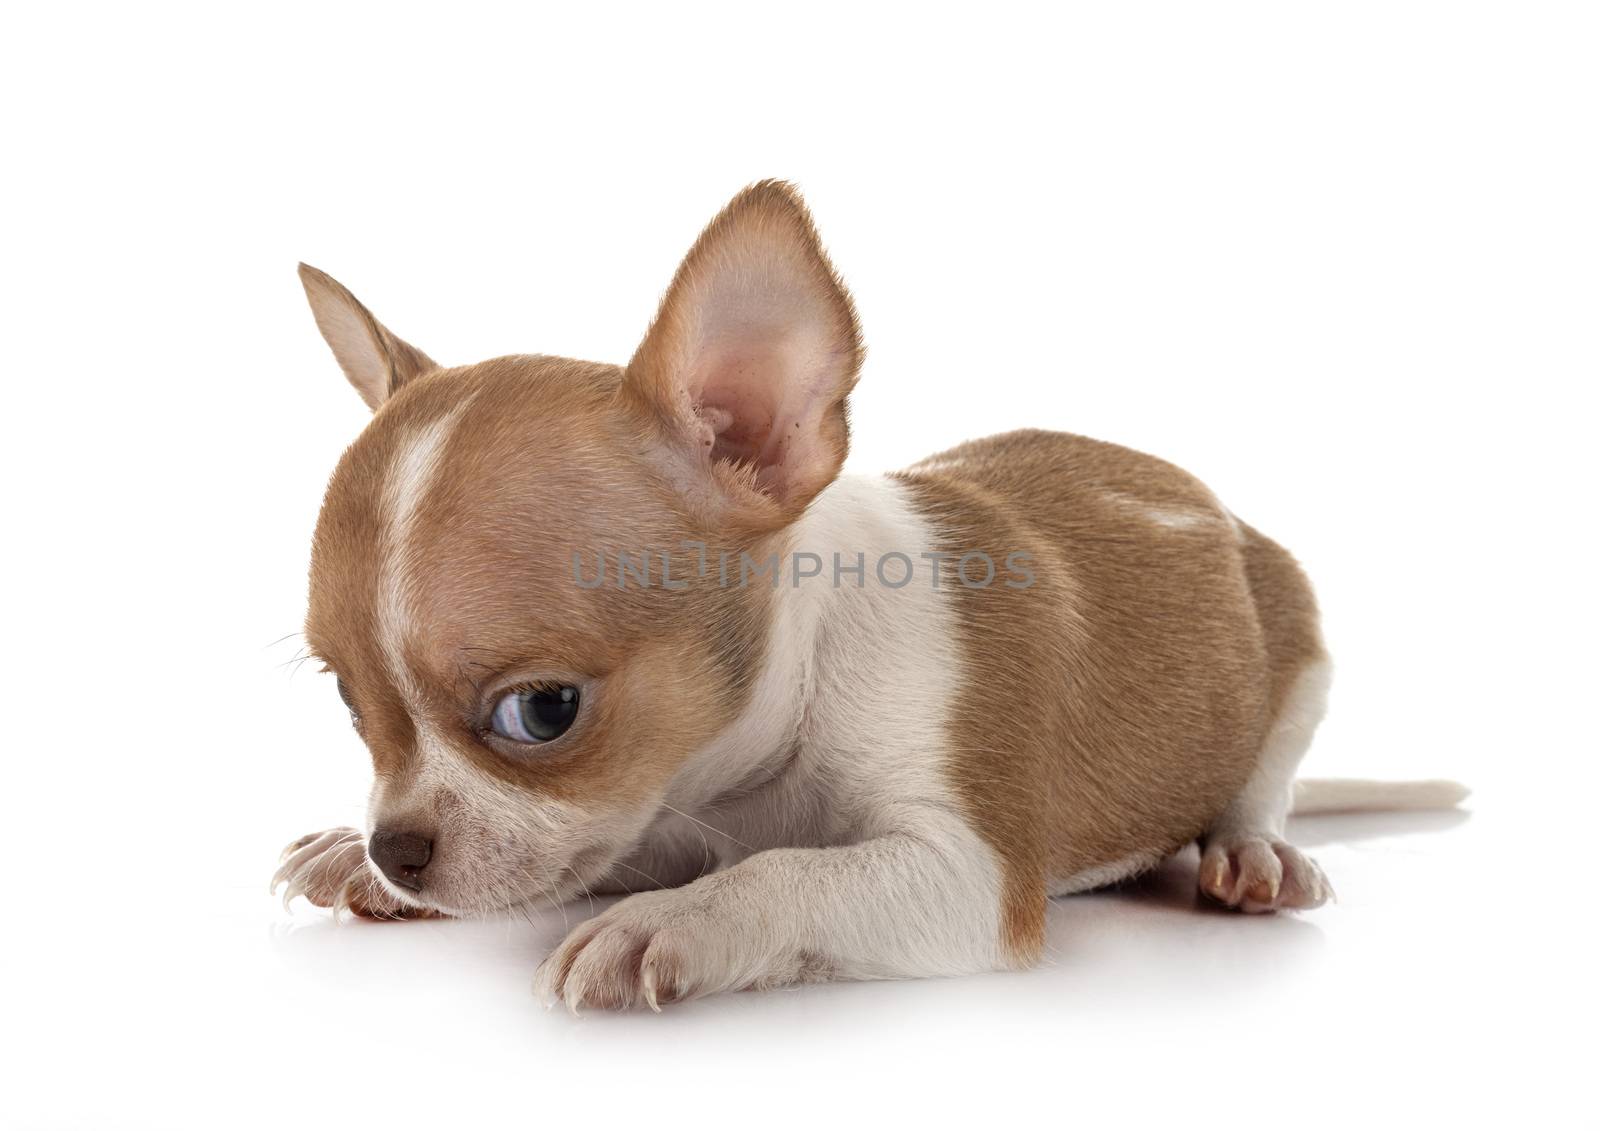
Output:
x=401 y=856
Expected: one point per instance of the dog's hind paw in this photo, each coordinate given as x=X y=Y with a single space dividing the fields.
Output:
x=1256 y=873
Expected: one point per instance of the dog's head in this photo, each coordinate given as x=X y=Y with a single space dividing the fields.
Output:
x=526 y=723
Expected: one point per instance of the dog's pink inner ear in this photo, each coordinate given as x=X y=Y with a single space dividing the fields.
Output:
x=755 y=350
x=762 y=393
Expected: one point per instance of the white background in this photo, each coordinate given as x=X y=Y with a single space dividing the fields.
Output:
x=1339 y=261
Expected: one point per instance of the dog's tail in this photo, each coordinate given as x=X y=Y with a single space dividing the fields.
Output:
x=1353 y=795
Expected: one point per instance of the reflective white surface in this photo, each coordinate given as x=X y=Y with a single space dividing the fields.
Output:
x=1432 y=987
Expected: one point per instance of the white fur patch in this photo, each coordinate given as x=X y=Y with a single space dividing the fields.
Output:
x=495 y=846
x=1091 y=878
x=411 y=472
x=1173 y=516
x=848 y=720
x=1178 y=518
x=1262 y=807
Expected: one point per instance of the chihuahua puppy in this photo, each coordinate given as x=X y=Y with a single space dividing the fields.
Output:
x=628 y=629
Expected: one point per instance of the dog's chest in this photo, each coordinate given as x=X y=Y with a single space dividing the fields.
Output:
x=788 y=802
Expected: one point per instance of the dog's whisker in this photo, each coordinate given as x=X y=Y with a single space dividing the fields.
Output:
x=713 y=828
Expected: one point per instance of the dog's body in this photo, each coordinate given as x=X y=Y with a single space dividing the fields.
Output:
x=1032 y=665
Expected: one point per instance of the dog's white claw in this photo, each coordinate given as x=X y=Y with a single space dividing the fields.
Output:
x=647 y=981
x=543 y=990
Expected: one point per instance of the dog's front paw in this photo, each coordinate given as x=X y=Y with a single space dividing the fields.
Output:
x=660 y=947
x=330 y=870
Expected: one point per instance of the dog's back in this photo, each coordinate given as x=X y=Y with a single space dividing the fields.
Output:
x=1177 y=634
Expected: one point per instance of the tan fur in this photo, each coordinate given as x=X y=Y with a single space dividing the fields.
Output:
x=541 y=464
x=1119 y=703
x=546 y=458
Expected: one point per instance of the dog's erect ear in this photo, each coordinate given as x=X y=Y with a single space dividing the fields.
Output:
x=376 y=361
x=752 y=355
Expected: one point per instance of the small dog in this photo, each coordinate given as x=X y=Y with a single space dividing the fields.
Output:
x=616 y=629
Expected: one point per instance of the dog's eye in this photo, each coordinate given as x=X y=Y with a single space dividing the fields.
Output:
x=537 y=714
x=344 y=693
